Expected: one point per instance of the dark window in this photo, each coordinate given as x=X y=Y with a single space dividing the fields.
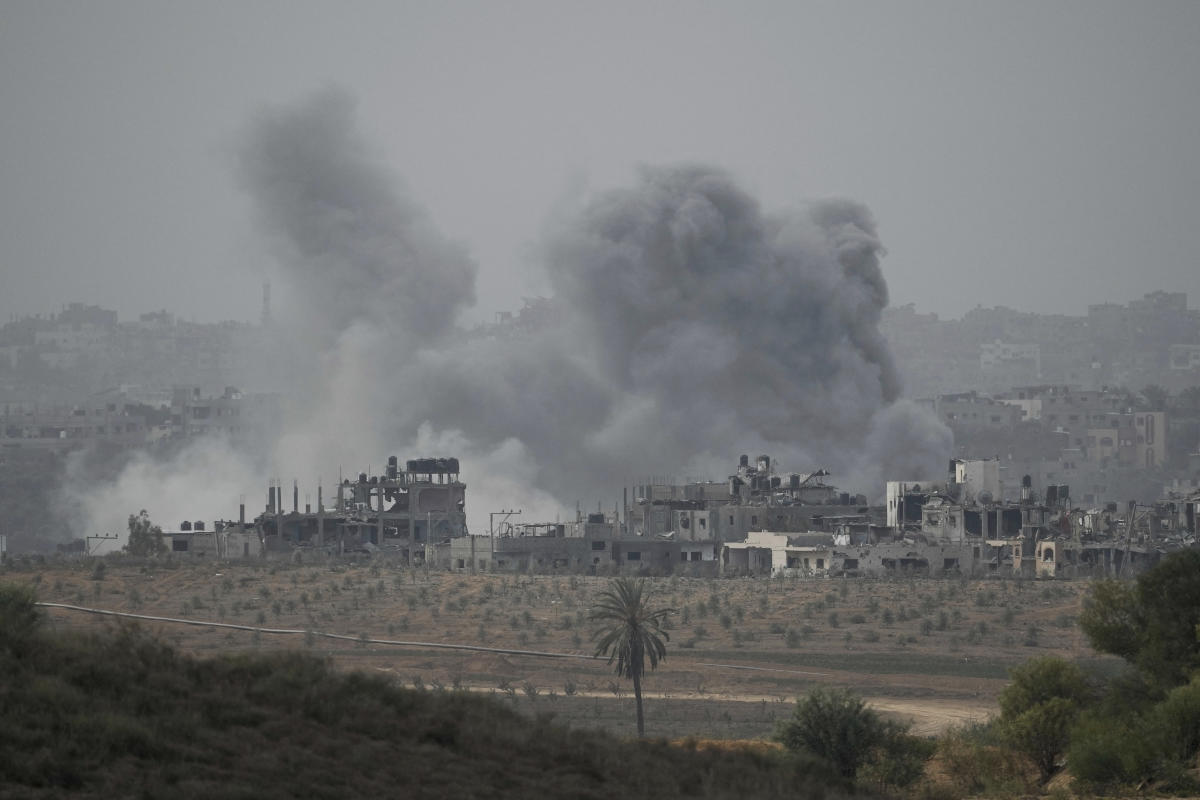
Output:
x=597 y=545
x=633 y=555
x=179 y=545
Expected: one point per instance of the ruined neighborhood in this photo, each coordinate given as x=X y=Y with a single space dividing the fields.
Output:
x=756 y=523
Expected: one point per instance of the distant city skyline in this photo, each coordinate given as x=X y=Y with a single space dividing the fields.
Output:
x=133 y=313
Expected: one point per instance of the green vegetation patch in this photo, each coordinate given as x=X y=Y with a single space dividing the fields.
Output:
x=123 y=714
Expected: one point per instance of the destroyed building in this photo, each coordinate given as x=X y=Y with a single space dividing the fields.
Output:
x=221 y=540
x=756 y=523
x=754 y=498
x=400 y=512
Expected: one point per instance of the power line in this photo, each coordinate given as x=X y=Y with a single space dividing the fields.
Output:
x=392 y=642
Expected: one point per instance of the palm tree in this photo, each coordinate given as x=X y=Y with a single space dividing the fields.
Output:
x=630 y=633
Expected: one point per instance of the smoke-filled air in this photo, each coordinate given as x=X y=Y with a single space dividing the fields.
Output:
x=689 y=325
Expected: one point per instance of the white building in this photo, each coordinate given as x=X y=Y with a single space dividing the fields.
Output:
x=780 y=554
x=978 y=478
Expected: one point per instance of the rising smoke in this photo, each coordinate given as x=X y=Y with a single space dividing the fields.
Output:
x=694 y=326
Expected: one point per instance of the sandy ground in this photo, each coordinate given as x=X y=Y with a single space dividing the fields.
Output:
x=935 y=652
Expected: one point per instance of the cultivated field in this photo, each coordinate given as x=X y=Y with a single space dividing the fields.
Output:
x=934 y=651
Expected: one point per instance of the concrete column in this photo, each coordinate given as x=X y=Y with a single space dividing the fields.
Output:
x=320 y=518
x=379 y=503
x=279 y=512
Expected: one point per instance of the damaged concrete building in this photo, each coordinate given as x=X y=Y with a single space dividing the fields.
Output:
x=966 y=526
x=400 y=512
x=220 y=541
x=757 y=522
x=592 y=544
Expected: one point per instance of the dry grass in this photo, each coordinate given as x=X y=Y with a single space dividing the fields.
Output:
x=945 y=644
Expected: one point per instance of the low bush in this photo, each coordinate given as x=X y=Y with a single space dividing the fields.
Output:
x=836 y=725
x=121 y=714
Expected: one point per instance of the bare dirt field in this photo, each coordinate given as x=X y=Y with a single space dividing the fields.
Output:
x=933 y=651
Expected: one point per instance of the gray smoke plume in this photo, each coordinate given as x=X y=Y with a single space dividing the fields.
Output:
x=726 y=329
x=354 y=244
x=693 y=326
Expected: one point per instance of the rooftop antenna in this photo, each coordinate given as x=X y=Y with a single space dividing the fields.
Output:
x=266 y=307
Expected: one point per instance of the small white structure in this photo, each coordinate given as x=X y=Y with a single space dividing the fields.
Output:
x=788 y=554
x=226 y=542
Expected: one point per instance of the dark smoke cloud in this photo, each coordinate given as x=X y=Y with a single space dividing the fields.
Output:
x=694 y=326
x=353 y=243
x=691 y=294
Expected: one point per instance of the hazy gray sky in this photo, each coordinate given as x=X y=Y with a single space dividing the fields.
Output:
x=1041 y=155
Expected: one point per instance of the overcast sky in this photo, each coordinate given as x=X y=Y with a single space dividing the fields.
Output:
x=1041 y=155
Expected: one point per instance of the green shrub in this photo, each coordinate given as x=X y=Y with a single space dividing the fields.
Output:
x=836 y=725
x=19 y=617
x=1039 y=707
x=976 y=764
x=1042 y=679
x=1176 y=721
x=899 y=761
x=1106 y=751
x=1043 y=733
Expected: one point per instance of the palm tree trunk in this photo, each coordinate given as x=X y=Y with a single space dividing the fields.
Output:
x=637 y=693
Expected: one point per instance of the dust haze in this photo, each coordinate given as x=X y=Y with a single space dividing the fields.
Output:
x=691 y=324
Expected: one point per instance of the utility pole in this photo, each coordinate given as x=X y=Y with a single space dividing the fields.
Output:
x=492 y=524
x=101 y=537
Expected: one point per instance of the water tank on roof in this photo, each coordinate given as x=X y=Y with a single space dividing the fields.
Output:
x=198 y=525
x=744 y=461
x=391 y=468
x=185 y=526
